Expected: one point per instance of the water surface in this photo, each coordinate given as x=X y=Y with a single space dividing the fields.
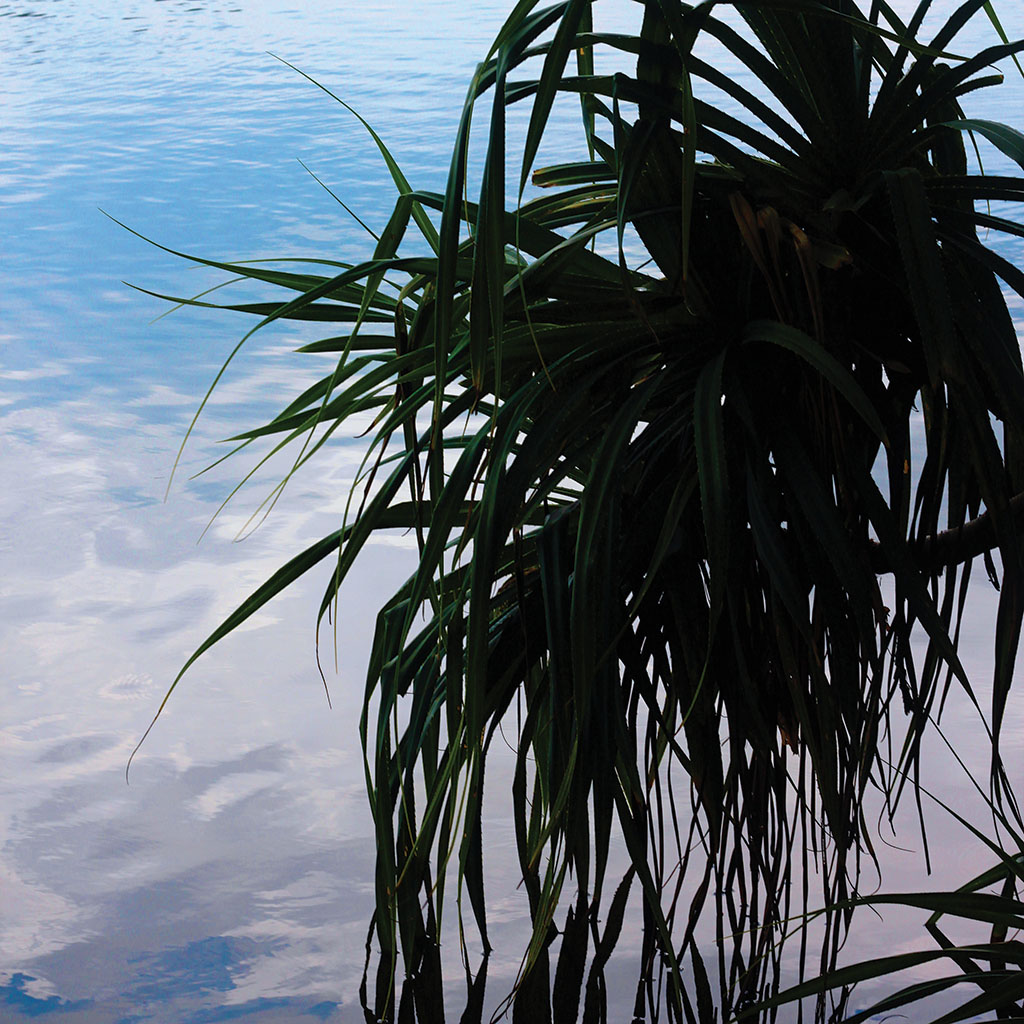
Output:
x=233 y=879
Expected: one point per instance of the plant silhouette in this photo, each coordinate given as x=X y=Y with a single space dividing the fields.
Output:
x=692 y=441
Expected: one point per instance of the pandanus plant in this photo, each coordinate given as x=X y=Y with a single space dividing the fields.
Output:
x=693 y=440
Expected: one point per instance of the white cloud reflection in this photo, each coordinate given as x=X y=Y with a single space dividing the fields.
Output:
x=246 y=790
x=104 y=594
x=246 y=818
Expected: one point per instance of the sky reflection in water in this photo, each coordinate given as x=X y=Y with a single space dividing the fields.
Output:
x=233 y=879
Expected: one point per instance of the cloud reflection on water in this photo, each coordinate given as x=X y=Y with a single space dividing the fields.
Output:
x=232 y=879
x=106 y=593
x=244 y=835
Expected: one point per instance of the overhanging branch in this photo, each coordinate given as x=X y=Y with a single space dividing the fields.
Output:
x=951 y=547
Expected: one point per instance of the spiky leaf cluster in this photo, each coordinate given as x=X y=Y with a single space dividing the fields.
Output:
x=679 y=515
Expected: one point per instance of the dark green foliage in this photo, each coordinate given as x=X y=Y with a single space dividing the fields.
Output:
x=654 y=497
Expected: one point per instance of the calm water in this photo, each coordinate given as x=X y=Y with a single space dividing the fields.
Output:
x=233 y=879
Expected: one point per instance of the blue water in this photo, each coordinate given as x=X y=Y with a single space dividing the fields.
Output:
x=232 y=880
